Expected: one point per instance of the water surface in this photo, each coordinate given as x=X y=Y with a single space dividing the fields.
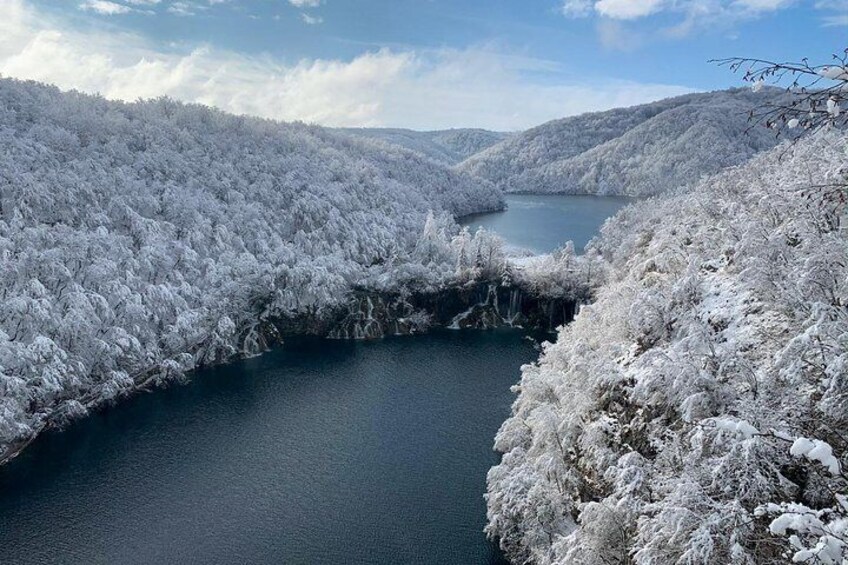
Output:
x=320 y=452
x=544 y=222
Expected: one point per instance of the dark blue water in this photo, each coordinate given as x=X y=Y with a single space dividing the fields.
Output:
x=318 y=452
x=542 y=223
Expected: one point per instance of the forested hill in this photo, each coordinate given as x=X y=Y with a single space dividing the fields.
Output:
x=445 y=146
x=635 y=151
x=696 y=411
x=139 y=240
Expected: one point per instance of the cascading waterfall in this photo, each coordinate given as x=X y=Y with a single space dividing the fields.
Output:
x=251 y=345
x=514 y=312
x=258 y=339
x=457 y=322
x=360 y=322
x=482 y=306
x=371 y=327
x=484 y=314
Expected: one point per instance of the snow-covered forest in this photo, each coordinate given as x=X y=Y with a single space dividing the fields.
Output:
x=449 y=147
x=696 y=412
x=636 y=151
x=140 y=240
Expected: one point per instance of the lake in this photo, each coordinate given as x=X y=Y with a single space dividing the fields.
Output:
x=318 y=452
x=544 y=222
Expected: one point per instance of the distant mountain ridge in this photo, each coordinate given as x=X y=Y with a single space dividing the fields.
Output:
x=448 y=147
x=635 y=151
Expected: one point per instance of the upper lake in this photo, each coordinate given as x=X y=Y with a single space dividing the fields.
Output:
x=544 y=222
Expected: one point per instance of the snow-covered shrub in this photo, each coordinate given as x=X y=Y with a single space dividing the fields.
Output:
x=814 y=535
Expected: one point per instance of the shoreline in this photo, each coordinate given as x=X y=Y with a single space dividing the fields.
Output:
x=368 y=315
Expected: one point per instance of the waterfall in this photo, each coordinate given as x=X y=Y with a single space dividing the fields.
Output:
x=514 y=312
x=253 y=343
x=371 y=328
x=456 y=322
x=483 y=305
x=360 y=322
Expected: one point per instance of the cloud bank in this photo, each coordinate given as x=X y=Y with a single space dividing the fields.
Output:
x=706 y=9
x=474 y=87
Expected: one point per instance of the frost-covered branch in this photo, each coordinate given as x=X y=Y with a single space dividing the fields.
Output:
x=818 y=93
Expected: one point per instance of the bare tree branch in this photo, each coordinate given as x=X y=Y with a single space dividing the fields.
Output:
x=819 y=93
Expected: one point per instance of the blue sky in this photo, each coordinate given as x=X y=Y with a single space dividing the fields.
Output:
x=501 y=64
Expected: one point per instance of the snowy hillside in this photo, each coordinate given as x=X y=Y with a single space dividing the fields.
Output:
x=139 y=240
x=445 y=146
x=634 y=151
x=695 y=413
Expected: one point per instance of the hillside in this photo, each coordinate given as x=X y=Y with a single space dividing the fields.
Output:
x=695 y=412
x=445 y=146
x=138 y=241
x=634 y=151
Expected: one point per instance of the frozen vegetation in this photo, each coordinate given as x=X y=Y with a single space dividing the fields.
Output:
x=444 y=146
x=138 y=241
x=696 y=412
x=635 y=151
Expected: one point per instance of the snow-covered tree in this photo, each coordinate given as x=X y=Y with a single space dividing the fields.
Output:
x=659 y=427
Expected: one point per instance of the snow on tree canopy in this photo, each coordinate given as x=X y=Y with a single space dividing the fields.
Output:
x=443 y=146
x=816 y=450
x=140 y=240
x=658 y=428
x=636 y=151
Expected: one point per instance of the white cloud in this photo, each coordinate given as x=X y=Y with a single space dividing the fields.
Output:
x=838 y=15
x=577 y=8
x=311 y=20
x=837 y=20
x=104 y=7
x=305 y=3
x=110 y=8
x=693 y=16
x=763 y=5
x=694 y=11
x=628 y=9
x=184 y=8
x=479 y=86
